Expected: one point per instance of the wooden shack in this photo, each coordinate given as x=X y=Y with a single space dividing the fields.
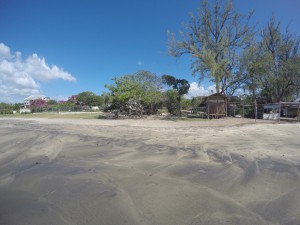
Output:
x=216 y=105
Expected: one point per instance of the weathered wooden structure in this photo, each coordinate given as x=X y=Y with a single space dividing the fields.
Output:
x=216 y=105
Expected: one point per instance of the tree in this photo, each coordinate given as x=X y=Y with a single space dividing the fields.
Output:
x=181 y=86
x=107 y=101
x=186 y=103
x=17 y=106
x=252 y=66
x=5 y=108
x=73 y=99
x=215 y=38
x=272 y=66
x=136 y=93
x=38 y=105
x=170 y=101
x=52 y=102
x=281 y=57
x=89 y=98
x=97 y=101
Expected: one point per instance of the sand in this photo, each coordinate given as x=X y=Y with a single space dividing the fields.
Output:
x=149 y=172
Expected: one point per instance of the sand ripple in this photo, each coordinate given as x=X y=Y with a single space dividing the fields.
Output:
x=160 y=173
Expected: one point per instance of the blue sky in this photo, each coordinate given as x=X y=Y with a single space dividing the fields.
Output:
x=62 y=47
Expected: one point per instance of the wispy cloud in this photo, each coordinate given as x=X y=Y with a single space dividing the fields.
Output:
x=22 y=77
x=140 y=63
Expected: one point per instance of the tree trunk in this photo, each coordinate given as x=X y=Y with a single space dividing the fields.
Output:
x=217 y=84
x=178 y=106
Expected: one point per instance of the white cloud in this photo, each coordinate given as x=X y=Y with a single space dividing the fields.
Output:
x=196 y=90
x=4 y=51
x=38 y=69
x=22 y=77
x=140 y=63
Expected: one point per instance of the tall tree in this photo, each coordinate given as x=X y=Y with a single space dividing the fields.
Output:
x=181 y=86
x=252 y=66
x=272 y=66
x=281 y=55
x=215 y=38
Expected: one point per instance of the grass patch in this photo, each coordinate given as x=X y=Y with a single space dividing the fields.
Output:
x=53 y=115
x=90 y=115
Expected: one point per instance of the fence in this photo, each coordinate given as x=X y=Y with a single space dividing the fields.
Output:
x=245 y=110
x=289 y=111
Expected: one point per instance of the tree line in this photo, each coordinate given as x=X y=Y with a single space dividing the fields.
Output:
x=144 y=92
x=224 y=48
x=236 y=56
x=134 y=94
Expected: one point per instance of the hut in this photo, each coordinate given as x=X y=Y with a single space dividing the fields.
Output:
x=216 y=105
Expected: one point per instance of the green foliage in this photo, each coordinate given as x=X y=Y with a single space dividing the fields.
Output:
x=17 y=106
x=170 y=100
x=186 y=103
x=198 y=102
x=181 y=87
x=96 y=101
x=89 y=98
x=251 y=67
x=135 y=93
x=170 y=81
x=6 y=108
x=107 y=101
x=51 y=102
x=65 y=106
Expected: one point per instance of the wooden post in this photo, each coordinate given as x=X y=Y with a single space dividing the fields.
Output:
x=226 y=107
x=298 y=111
x=255 y=110
x=279 y=111
x=207 y=110
x=243 y=109
x=217 y=109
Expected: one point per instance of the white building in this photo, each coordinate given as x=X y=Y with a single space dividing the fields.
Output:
x=28 y=100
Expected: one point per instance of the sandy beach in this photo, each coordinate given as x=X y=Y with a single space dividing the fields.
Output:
x=149 y=172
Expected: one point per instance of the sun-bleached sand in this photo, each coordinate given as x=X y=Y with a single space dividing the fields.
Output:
x=149 y=172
